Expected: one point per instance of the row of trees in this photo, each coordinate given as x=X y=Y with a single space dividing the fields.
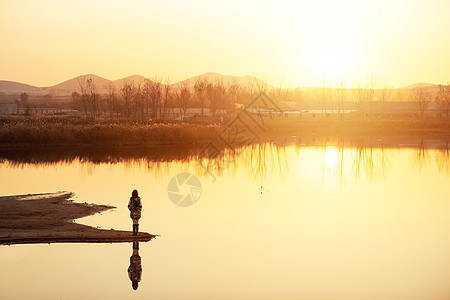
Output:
x=333 y=97
x=423 y=96
x=157 y=98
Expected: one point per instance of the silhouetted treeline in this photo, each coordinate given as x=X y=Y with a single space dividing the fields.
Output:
x=157 y=99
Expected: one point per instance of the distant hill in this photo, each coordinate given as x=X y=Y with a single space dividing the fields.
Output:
x=101 y=83
x=214 y=77
x=73 y=84
x=137 y=79
x=418 y=85
x=9 y=86
x=67 y=87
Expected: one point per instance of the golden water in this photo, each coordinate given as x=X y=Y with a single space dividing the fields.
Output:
x=271 y=223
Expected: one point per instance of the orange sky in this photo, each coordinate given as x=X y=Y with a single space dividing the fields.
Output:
x=304 y=42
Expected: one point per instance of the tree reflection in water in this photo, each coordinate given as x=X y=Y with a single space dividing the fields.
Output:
x=342 y=159
x=372 y=161
x=421 y=157
x=343 y=162
x=443 y=159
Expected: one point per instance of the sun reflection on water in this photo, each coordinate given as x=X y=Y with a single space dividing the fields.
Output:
x=331 y=157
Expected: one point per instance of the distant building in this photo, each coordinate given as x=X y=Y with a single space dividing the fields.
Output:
x=178 y=113
x=8 y=109
x=46 y=111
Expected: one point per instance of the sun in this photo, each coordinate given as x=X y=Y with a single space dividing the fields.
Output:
x=329 y=38
x=331 y=63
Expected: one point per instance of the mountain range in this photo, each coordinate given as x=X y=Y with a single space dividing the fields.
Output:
x=68 y=86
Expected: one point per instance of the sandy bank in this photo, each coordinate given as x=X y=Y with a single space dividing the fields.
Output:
x=48 y=218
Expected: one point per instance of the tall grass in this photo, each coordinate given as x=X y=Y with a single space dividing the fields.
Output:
x=76 y=130
x=80 y=130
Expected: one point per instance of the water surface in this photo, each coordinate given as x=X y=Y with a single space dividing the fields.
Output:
x=273 y=222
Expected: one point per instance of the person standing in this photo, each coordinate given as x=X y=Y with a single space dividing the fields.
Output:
x=135 y=207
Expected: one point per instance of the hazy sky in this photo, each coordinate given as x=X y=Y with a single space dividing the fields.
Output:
x=305 y=42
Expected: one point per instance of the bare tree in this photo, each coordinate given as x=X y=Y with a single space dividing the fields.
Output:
x=138 y=101
x=233 y=93
x=147 y=96
x=384 y=94
x=82 y=96
x=369 y=92
x=111 y=99
x=325 y=96
x=216 y=96
x=277 y=91
x=200 y=90
x=246 y=94
x=221 y=93
x=168 y=96
x=89 y=96
x=211 y=95
x=160 y=95
x=127 y=94
x=365 y=96
x=152 y=93
x=93 y=96
x=443 y=99
x=183 y=95
x=358 y=96
x=260 y=83
x=281 y=90
x=421 y=98
x=77 y=103
x=340 y=95
x=23 y=99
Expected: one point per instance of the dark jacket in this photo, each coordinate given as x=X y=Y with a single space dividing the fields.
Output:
x=135 y=207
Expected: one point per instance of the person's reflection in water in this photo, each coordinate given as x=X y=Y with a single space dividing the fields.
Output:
x=135 y=268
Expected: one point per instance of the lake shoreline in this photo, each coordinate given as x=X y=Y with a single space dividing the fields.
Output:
x=77 y=131
x=48 y=218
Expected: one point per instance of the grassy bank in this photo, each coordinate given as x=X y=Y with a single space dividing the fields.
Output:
x=78 y=130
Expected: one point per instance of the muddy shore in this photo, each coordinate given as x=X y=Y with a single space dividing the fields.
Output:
x=48 y=218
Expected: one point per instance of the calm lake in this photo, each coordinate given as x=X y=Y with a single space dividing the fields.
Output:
x=271 y=222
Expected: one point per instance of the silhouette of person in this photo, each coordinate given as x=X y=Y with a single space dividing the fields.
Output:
x=135 y=268
x=135 y=207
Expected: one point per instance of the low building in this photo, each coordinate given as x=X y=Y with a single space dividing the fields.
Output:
x=8 y=109
x=40 y=111
x=179 y=113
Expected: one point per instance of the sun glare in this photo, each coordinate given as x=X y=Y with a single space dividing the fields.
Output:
x=332 y=63
x=331 y=38
x=331 y=157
